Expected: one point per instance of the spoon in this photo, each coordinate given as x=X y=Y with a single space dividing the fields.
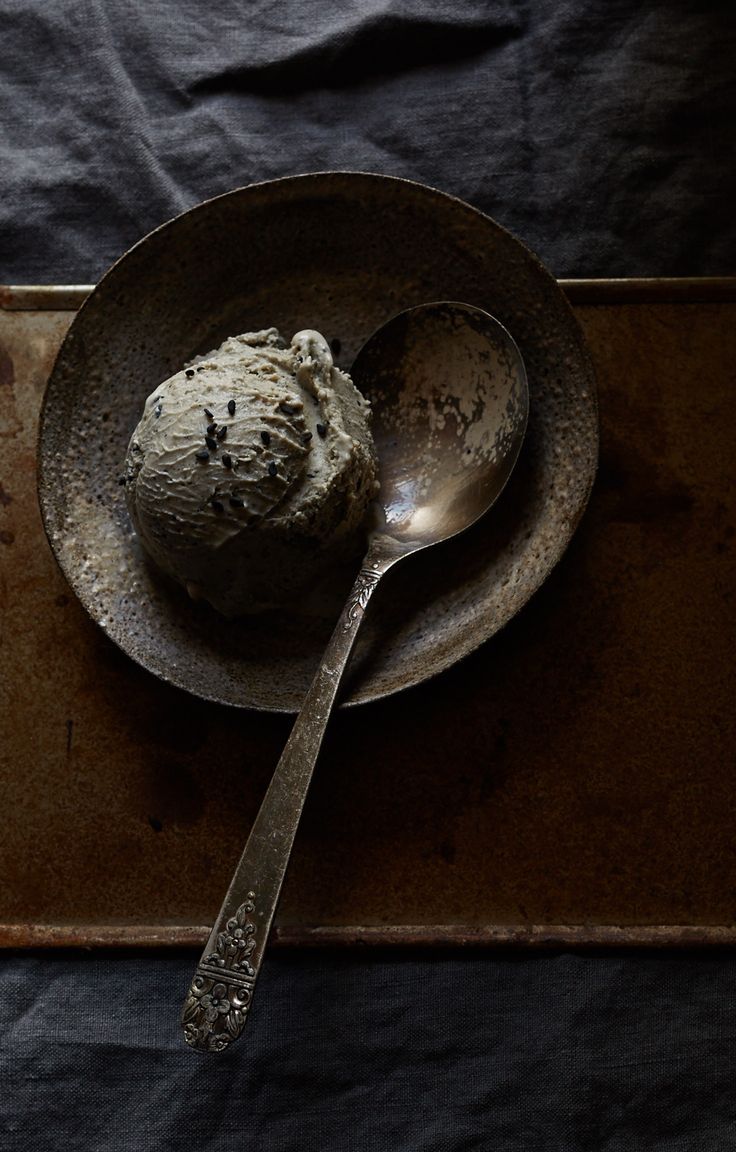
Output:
x=450 y=402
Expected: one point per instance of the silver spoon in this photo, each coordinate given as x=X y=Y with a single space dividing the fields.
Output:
x=450 y=402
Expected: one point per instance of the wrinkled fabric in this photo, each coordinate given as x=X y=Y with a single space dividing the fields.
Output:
x=372 y=1051
x=601 y=132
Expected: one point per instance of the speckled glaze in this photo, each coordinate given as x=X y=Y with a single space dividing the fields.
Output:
x=369 y=247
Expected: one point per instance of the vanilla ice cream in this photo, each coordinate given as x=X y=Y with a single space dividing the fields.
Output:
x=252 y=470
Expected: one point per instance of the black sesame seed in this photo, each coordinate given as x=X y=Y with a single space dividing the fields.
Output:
x=157 y=411
x=321 y=431
x=266 y=438
x=217 y=505
x=203 y=455
x=208 y=414
x=288 y=409
x=227 y=460
x=236 y=502
x=211 y=443
x=222 y=432
x=211 y=429
x=189 y=372
x=200 y=368
x=306 y=437
x=231 y=407
x=272 y=468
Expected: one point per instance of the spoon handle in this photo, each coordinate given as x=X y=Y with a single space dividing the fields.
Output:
x=221 y=991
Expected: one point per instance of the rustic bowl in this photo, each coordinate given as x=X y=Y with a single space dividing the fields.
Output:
x=341 y=252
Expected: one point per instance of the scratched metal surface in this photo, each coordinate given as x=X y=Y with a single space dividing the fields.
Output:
x=569 y=782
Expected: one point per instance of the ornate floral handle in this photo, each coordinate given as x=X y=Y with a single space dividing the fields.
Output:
x=220 y=994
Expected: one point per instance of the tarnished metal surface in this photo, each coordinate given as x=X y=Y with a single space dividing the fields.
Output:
x=43 y=297
x=654 y=290
x=569 y=784
x=539 y=937
x=625 y=290
x=341 y=253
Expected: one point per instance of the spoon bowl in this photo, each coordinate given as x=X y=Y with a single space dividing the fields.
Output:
x=450 y=400
x=450 y=405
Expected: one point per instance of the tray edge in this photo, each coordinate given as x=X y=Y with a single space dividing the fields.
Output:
x=582 y=291
x=488 y=936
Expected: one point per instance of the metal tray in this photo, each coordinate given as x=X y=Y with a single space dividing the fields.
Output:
x=569 y=784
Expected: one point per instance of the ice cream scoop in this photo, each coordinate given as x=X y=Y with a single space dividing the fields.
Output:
x=250 y=472
x=451 y=399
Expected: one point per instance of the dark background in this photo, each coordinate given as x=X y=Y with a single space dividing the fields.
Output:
x=601 y=132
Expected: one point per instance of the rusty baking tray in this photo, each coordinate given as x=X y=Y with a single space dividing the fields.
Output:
x=569 y=784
